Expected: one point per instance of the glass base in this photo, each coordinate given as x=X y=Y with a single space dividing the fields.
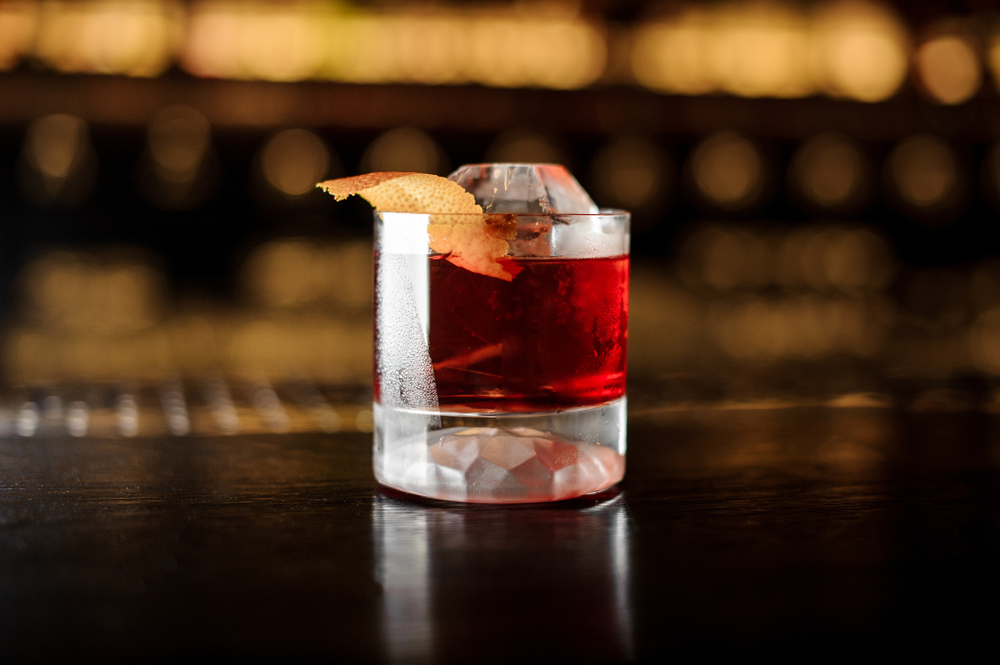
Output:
x=500 y=458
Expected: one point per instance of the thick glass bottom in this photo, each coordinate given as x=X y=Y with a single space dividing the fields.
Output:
x=500 y=458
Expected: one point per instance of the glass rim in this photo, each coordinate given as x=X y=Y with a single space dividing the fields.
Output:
x=604 y=212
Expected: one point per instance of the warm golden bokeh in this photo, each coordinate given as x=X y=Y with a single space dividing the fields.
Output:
x=135 y=38
x=924 y=171
x=294 y=160
x=304 y=40
x=854 y=49
x=524 y=146
x=632 y=173
x=830 y=171
x=728 y=171
x=949 y=69
x=848 y=49
x=859 y=50
x=404 y=149
x=18 y=24
x=57 y=160
x=812 y=187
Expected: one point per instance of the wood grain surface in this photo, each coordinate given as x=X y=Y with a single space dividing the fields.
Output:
x=736 y=530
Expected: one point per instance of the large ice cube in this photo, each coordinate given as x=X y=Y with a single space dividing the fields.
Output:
x=547 y=189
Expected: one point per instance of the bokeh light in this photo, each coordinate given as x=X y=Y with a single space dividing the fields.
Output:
x=211 y=41
x=856 y=260
x=829 y=298
x=949 y=69
x=993 y=57
x=78 y=292
x=671 y=56
x=431 y=49
x=18 y=24
x=830 y=171
x=361 y=49
x=844 y=259
x=405 y=149
x=175 y=407
x=924 y=173
x=547 y=52
x=725 y=259
x=631 y=173
x=297 y=273
x=525 y=146
x=268 y=41
x=800 y=258
x=137 y=38
x=54 y=145
x=269 y=407
x=293 y=41
x=759 y=50
x=859 y=50
x=289 y=347
x=175 y=173
x=58 y=164
x=789 y=289
x=728 y=171
x=852 y=49
x=220 y=401
x=767 y=330
x=752 y=50
x=178 y=140
x=281 y=45
x=294 y=160
x=855 y=49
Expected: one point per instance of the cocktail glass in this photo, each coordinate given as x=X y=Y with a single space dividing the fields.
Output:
x=497 y=391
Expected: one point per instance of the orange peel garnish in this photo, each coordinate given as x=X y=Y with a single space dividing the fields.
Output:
x=457 y=226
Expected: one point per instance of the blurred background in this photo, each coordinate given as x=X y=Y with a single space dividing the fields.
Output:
x=813 y=184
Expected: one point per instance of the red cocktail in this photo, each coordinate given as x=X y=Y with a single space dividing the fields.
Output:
x=502 y=389
x=552 y=338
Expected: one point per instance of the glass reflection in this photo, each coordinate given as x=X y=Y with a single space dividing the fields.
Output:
x=544 y=580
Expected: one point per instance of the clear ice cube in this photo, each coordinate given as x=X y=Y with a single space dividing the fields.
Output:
x=542 y=189
x=547 y=189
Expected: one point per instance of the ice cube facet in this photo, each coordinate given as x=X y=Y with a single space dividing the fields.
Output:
x=547 y=189
x=487 y=465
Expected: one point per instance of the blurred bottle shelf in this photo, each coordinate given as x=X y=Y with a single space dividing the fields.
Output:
x=217 y=406
x=202 y=407
x=133 y=102
x=813 y=185
x=773 y=237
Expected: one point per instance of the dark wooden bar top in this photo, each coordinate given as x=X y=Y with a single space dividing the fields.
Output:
x=806 y=529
